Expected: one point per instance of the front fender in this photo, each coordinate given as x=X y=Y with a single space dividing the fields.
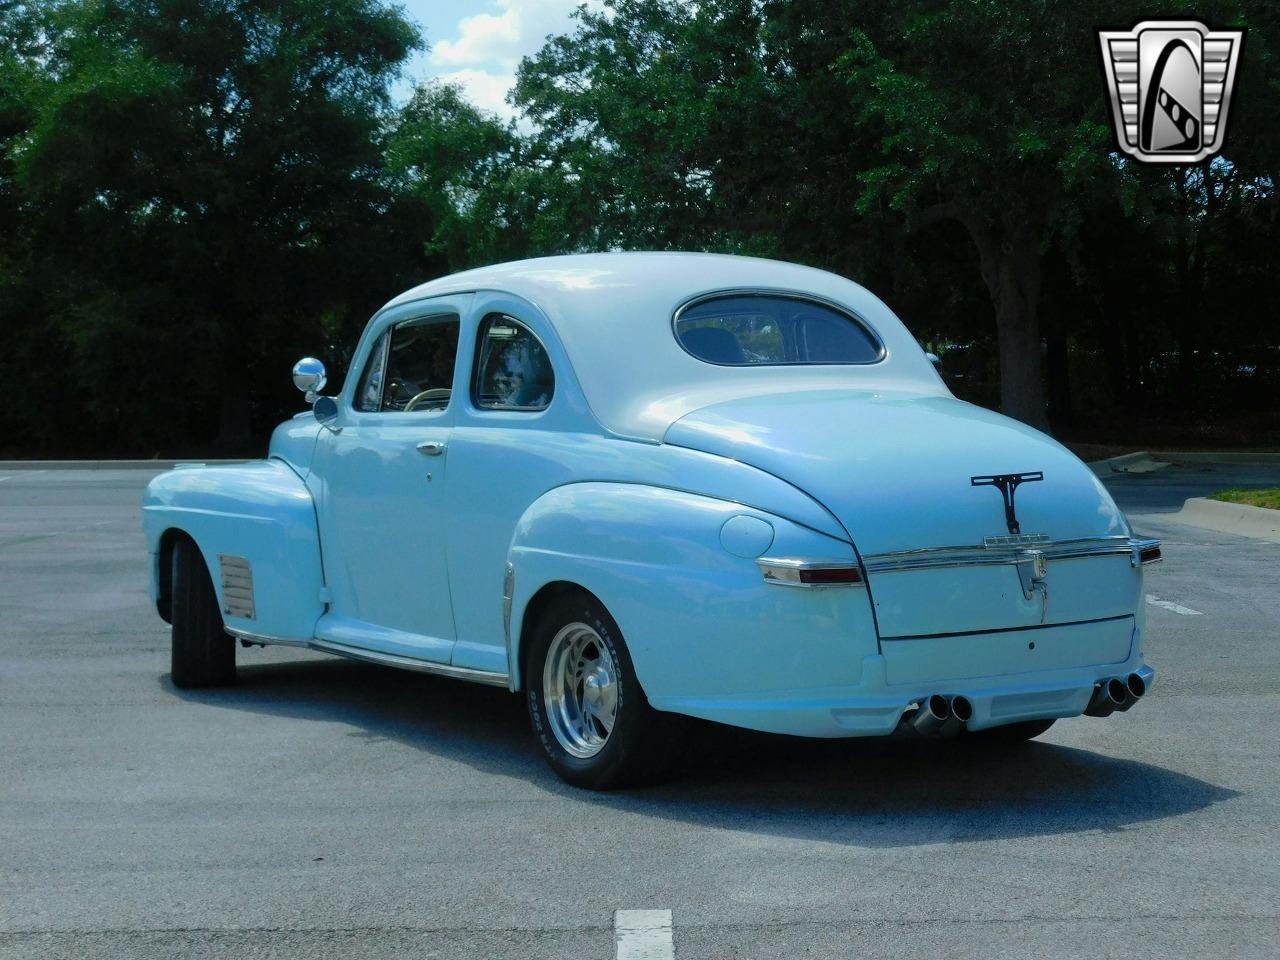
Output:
x=698 y=620
x=258 y=515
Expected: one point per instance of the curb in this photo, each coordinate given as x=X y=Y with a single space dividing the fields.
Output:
x=1140 y=462
x=1241 y=519
x=1216 y=456
x=103 y=464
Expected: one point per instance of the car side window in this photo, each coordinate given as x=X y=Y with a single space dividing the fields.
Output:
x=369 y=392
x=512 y=369
x=419 y=366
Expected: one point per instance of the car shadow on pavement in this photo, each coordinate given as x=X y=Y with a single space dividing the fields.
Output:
x=877 y=792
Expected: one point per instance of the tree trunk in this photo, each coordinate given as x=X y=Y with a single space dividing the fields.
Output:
x=1011 y=270
x=1058 y=370
x=1009 y=255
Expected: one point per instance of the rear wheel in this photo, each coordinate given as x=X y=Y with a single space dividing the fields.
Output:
x=590 y=716
x=204 y=654
x=1012 y=732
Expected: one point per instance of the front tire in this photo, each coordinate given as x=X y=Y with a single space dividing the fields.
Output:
x=204 y=654
x=590 y=716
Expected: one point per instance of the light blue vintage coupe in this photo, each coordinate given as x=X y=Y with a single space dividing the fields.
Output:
x=641 y=487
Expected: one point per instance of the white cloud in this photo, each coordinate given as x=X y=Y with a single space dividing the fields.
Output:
x=486 y=90
x=486 y=48
x=497 y=41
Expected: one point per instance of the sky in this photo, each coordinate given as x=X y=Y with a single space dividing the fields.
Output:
x=478 y=43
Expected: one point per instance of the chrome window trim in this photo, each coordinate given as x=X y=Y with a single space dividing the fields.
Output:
x=780 y=294
x=777 y=570
x=1000 y=553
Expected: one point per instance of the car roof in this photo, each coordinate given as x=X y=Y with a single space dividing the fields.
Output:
x=613 y=314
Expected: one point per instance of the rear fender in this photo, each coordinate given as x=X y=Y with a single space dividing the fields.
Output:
x=255 y=525
x=697 y=619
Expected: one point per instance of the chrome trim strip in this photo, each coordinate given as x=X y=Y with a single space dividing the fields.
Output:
x=508 y=594
x=373 y=656
x=409 y=663
x=998 y=554
x=263 y=639
x=785 y=571
x=1016 y=540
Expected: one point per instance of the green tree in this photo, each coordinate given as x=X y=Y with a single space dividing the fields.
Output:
x=488 y=197
x=839 y=132
x=203 y=172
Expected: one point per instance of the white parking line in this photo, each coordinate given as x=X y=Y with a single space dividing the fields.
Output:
x=3 y=479
x=1175 y=607
x=643 y=935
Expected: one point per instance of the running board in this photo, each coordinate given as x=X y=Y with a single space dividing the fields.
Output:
x=385 y=659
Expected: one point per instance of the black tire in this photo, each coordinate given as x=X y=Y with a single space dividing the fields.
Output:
x=204 y=654
x=1012 y=732
x=644 y=746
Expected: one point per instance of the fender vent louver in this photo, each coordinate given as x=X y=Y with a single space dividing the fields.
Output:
x=237 y=586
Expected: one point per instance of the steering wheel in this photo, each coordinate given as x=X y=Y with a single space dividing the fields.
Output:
x=435 y=393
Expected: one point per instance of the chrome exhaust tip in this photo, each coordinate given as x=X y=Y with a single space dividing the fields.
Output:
x=1134 y=688
x=1109 y=696
x=932 y=714
x=961 y=714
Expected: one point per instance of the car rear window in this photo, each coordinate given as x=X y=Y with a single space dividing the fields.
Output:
x=756 y=329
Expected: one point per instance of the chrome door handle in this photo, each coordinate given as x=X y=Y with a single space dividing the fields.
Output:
x=431 y=448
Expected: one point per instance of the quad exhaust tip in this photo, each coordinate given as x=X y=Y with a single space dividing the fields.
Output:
x=932 y=715
x=942 y=716
x=1116 y=693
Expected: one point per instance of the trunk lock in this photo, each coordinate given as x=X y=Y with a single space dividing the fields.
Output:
x=1033 y=573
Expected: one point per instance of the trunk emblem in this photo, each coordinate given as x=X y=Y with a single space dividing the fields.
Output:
x=1007 y=484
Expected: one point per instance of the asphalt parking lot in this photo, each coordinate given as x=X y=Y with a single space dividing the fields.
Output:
x=324 y=808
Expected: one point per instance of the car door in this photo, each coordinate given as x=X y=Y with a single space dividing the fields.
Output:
x=381 y=477
x=512 y=442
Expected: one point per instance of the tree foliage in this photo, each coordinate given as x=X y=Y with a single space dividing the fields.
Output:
x=835 y=130
x=205 y=178
x=195 y=192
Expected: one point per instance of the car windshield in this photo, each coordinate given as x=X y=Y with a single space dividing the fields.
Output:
x=761 y=329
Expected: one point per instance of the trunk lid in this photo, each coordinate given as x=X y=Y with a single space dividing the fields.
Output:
x=896 y=470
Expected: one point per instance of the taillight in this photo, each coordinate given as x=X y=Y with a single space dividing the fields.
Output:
x=810 y=572
x=1145 y=551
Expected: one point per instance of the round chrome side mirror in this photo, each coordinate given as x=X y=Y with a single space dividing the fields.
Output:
x=309 y=377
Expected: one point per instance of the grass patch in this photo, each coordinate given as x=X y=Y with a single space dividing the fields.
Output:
x=1266 y=497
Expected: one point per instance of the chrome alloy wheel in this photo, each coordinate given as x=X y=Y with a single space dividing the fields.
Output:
x=580 y=689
